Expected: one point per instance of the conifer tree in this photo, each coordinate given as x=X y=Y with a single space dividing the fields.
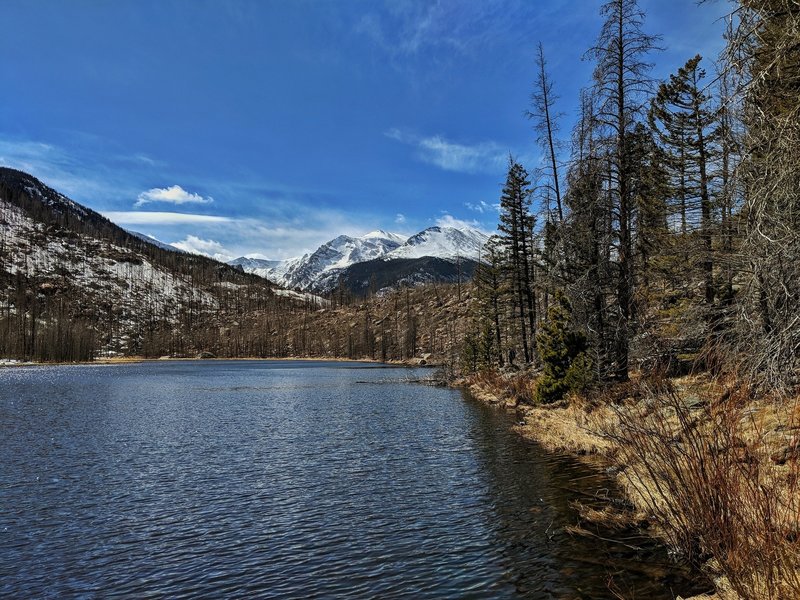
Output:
x=516 y=228
x=491 y=291
x=561 y=351
x=588 y=273
x=685 y=125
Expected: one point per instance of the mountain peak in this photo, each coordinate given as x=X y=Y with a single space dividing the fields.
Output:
x=321 y=269
x=384 y=235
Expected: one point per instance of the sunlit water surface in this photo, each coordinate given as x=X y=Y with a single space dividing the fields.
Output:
x=286 y=480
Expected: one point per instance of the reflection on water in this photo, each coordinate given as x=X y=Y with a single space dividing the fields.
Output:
x=285 y=480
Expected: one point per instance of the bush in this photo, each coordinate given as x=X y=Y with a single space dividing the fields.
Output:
x=562 y=351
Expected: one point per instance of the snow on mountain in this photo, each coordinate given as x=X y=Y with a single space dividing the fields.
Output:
x=156 y=242
x=253 y=264
x=385 y=235
x=442 y=242
x=320 y=270
x=274 y=270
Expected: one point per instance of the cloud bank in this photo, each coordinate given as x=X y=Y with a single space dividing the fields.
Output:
x=197 y=245
x=131 y=217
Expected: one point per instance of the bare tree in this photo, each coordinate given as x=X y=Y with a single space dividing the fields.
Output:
x=622 y=85
x=545 y=119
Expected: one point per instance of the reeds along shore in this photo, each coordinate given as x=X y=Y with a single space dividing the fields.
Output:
x=710 y=468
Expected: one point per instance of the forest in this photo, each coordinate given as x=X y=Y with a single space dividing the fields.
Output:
x=667 y=238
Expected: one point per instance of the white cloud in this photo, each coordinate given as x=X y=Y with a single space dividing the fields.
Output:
x=130 y=217
x=210 y=248
x=174 y=194
x=484 y=157
x=448 y=220
x=400 y=219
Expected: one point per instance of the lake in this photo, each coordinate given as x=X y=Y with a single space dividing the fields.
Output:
x=279 y=479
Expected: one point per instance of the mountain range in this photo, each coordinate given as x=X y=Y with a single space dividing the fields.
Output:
x=379 y=258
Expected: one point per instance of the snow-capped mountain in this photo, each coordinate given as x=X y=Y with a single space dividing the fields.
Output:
x=442 y=242
x=320 y=270
x=252 y=265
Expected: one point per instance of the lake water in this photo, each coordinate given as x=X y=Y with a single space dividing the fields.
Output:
x=286 y=480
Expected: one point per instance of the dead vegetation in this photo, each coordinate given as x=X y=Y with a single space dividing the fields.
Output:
x=718 y=475
x=708 y=466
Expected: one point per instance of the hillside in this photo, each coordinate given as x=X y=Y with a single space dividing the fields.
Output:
x=380 y=274
x=73 y=285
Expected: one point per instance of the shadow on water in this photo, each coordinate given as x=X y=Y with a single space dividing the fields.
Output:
x=534 y=494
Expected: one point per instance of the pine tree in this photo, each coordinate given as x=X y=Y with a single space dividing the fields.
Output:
x=516 y=228
x=686 y=127
x=588 y=269
x=562 y=353
x=491 y=291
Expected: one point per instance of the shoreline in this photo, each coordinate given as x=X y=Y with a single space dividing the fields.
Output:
x=680 y=453
x=12 y=363
x=565 y=429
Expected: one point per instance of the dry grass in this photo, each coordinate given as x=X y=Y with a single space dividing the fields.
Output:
x=713 y=469
x=703 y=468
x=568 y=427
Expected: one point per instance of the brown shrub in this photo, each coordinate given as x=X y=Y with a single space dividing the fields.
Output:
x=703 y=471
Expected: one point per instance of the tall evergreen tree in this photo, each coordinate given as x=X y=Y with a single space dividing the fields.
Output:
x=686 y=126
x=491 y=292
x=516 y=229
x=587 y=265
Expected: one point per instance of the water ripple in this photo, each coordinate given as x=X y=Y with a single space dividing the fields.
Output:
x=279 y=480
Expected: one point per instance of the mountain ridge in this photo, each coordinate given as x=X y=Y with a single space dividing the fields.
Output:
x=321 y=270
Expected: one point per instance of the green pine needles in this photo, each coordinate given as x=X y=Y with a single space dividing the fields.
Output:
x=562 y=351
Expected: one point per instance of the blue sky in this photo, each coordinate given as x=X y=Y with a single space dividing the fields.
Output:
x=268 y=127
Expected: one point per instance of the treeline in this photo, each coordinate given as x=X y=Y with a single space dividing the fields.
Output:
x=666 y=233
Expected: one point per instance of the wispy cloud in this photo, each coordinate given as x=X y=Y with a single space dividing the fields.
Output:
x=484 y=157
x=448 y=220
x=409 y=29
x=483 y=206
x=197 y=245
x=400 y=219
x=134 y=217
x=174 y=194
x=60 y=169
